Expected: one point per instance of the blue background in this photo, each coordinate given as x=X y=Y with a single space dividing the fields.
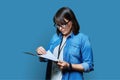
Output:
x=27 y=24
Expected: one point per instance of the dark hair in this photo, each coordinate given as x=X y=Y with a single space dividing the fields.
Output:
x=66 y=13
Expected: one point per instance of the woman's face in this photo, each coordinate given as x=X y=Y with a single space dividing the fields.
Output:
x=66 y=28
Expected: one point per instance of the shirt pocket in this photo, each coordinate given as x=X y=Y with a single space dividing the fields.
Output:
x=74 y=50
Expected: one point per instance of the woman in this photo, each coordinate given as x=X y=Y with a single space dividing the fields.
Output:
x=71 y=47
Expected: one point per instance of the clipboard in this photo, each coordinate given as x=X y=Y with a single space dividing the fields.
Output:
x=48 y=55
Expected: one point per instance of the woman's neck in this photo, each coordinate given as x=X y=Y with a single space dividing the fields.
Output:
x=65 y=36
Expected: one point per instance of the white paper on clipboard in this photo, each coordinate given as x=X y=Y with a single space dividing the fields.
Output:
x=49 y=56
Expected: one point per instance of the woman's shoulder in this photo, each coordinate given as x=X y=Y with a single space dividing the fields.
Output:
x=54 y=37
x=82 y=35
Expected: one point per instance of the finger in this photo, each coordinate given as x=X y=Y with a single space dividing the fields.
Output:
x=61 y=65
x=60 y=61
x=61 y=68
x=41 y=50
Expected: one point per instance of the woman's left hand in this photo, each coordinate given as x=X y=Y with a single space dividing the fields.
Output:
x=63 y=65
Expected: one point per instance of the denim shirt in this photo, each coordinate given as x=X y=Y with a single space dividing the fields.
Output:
x=76 y=51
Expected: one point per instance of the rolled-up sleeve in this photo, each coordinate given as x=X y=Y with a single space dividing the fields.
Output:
x=85 y=66
x=87 y=55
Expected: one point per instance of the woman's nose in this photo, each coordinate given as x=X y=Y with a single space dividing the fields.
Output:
x=60 y=28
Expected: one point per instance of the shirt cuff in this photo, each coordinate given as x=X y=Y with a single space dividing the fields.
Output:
x=85 y=66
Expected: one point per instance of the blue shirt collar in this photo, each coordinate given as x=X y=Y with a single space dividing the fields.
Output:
x=71 y=35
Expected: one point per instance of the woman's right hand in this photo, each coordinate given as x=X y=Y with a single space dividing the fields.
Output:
x=40 y=50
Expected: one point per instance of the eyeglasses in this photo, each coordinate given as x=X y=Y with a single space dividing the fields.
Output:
x=63 y=26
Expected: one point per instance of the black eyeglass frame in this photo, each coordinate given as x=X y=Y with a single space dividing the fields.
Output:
x=63 y=25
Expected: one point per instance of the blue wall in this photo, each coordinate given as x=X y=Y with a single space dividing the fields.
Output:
x=27 y=24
